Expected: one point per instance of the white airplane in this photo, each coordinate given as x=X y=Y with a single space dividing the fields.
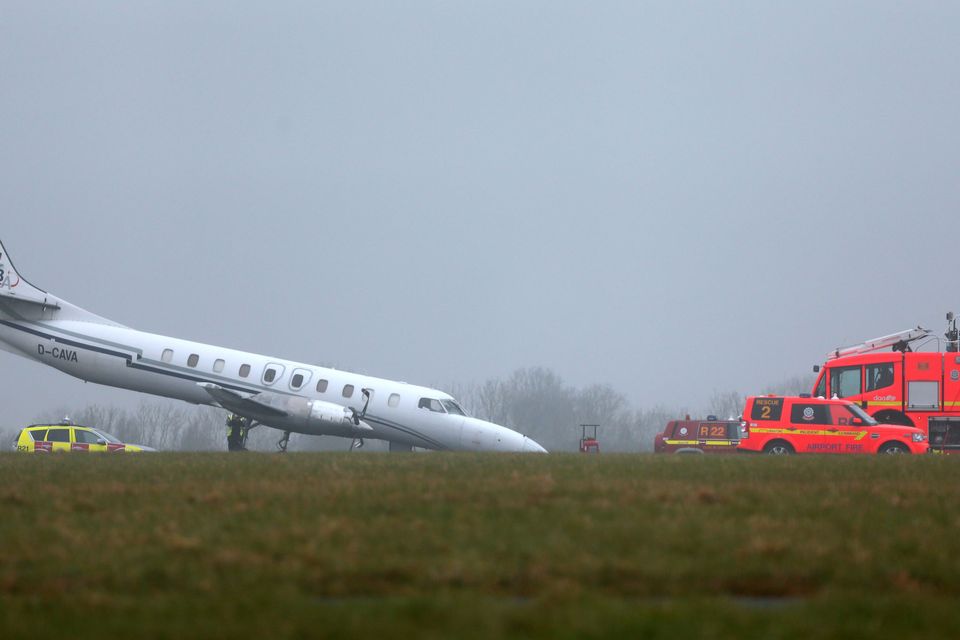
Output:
x=289 y=396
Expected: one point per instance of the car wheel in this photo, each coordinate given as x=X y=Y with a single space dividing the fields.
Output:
x=894 y=448
x=779 y=448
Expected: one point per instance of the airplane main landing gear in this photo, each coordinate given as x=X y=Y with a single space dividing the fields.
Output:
x=282 y=444
x=356 y=444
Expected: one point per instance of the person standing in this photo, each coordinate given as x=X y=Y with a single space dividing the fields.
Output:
x=235 y=428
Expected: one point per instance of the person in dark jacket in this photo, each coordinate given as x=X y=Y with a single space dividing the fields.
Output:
x=236 y=429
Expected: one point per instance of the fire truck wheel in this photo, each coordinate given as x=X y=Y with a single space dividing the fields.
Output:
x=893 y=448
x=778 y=448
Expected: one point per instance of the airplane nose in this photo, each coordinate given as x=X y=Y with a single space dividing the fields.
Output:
x=531 y=446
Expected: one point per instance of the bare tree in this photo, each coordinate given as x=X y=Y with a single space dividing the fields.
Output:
x=726 y=404
x=792 y=386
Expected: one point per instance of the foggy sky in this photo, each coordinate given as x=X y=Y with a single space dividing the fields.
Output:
x=672 y=198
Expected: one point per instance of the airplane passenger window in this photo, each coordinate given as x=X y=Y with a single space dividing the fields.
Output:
x=393 y=400
x=348 y=391
x=218 y=366
x=299 y=378
x=193 y=360
x=432 y=405
x=167 y=355
x=244 y=370
x=321 y=386
x=272 y=373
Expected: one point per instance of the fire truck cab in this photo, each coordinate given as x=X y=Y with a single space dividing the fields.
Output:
x=900 y=386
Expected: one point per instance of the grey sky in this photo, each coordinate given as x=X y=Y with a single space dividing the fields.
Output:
x=668 y=197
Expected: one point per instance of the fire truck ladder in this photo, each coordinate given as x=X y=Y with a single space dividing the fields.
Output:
x=896 y=341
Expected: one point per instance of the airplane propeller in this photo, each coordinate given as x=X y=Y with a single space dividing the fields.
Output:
x=358 y=416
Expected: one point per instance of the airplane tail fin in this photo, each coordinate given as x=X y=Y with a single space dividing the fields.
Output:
x=14 y=287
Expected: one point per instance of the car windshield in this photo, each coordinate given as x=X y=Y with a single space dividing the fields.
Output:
x=453 y=407
x=860 y=413
x=109 y=438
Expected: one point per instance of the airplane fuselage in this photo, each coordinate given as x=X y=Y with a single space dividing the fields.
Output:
x=284 y=394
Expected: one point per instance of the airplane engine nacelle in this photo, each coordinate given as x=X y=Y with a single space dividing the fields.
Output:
x=315 y=416
x=330 y=413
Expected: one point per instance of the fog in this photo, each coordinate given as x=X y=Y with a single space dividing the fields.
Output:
x=673 y=199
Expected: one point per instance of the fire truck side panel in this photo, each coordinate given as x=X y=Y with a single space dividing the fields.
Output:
x=924 y=374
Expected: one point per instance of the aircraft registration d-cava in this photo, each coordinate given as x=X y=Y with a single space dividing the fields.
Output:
x=290 y=396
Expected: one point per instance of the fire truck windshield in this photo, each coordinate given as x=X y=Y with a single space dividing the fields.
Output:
x=860 y=413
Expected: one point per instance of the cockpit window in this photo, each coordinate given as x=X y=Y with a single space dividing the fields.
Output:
x=453 y=407
x=432 y=405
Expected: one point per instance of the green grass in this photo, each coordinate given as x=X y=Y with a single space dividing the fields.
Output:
x=478 y=546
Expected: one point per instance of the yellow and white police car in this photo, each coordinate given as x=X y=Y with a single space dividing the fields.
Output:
x=65 y=437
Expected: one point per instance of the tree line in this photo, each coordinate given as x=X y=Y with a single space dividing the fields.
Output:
x=540 y=404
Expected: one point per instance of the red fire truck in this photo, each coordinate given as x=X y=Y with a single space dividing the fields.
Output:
x=897 y=385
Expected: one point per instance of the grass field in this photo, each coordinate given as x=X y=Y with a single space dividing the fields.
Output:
x=478 y=546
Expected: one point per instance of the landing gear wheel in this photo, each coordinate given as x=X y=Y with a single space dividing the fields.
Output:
x=356 y=444
x=284 y=441
x=894 y=449
x=779 y=448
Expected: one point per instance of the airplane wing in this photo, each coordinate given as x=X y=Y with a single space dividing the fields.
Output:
x=245 y=405
x=283 y=410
